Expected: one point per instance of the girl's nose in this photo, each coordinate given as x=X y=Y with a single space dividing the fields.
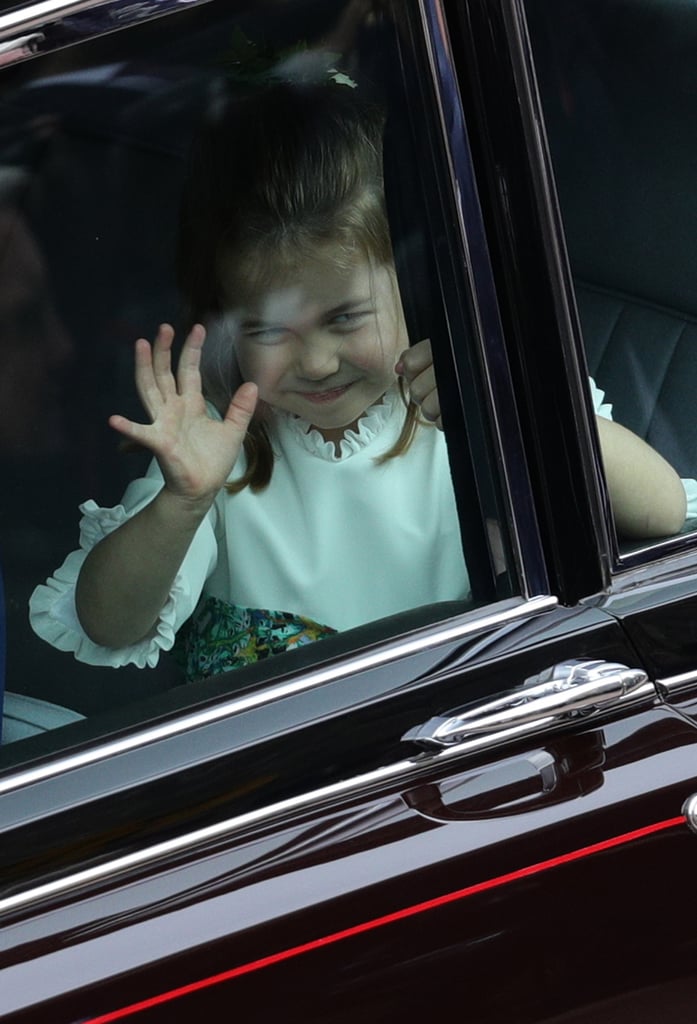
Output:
x=318 y=357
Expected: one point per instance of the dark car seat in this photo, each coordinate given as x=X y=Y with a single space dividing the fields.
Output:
x=618 y=82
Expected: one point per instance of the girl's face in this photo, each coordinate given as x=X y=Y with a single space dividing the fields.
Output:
x=321 y=341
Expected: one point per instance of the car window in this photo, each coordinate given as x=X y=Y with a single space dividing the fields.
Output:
x=116 y=216
x=617 y=90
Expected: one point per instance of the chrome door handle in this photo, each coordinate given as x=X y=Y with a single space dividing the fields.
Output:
x=565 y=691
x=507 y=787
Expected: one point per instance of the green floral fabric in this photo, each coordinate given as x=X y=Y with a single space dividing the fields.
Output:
x=220 y=636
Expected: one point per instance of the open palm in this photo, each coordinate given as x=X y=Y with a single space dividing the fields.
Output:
x=195 y=453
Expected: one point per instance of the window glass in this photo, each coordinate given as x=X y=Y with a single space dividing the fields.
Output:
x=617 y=83
x=223 y=167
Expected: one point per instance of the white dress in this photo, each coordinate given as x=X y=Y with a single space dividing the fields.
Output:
x=334 y=538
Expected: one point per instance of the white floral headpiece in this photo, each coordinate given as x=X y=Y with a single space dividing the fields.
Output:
x=251 y=64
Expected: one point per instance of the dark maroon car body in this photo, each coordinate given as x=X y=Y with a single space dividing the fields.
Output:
x=297 y=850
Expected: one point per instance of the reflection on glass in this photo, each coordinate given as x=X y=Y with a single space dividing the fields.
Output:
x=315 y=496
x=226 y=184
x=621 y=130
x=34 y=345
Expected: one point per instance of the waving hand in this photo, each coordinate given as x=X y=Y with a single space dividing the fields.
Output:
x=195 y=452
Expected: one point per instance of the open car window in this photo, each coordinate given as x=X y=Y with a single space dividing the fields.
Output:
x=96 y=144
x=616 y=87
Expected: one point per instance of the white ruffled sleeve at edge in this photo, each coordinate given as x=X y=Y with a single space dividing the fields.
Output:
x=604 y=409
x=52 y=610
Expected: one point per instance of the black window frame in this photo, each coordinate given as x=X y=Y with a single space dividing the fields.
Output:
x=516 y=180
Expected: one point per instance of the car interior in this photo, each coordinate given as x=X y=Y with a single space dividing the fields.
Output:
x=618 y=83
x=94 y=157
x=93 y=160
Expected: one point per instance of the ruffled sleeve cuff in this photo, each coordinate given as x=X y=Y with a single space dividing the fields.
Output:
x=52 y=611
x=602 y=408
x=691 y=495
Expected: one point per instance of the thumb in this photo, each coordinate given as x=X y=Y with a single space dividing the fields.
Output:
x=242 y=406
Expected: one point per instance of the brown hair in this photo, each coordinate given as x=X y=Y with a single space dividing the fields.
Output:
x=276 y=173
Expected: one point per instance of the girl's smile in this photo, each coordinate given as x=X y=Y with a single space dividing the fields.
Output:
x=321 y=340
x=325 y=396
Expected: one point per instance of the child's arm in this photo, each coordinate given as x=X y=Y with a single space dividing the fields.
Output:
x=125 y=579
x=647 y=495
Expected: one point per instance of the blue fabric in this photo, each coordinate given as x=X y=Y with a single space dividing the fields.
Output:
x=27 y=716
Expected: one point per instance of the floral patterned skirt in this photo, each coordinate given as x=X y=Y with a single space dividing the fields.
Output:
x=221 y=636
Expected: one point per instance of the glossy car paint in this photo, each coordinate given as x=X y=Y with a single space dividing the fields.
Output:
x=466 y=885
x=505 y=879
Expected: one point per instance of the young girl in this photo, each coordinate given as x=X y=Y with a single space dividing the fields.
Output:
x=312 y=499
x=307 y=496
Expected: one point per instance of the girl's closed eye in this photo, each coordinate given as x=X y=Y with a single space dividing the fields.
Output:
x=264 y=335
x=346 y=322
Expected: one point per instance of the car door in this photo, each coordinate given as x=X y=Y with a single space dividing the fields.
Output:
x=474 y=807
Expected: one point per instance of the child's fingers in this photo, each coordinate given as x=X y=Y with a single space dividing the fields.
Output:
x=430 y=409
x=162 y=360
x=133 y=431
x=423 y=389
x=241 y=408
x=153 y=373
x=146 y=385
x=424 y=385
x=414 y=360
x=188 y=371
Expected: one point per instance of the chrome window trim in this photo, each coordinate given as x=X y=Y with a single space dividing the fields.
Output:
x=40 y=15
x=652 y=551
x=674 y=685
x=673 y=575
x=33 y=15
x=20 y=47
x=37 y=15
x=409 y=767
x=516 y=608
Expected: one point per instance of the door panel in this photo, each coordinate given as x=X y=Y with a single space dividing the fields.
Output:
x=660 y=619
x=374 y=900
x=374 y=907
x=278 y=751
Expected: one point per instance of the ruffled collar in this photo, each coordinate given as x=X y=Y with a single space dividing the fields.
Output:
x=371 y=424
